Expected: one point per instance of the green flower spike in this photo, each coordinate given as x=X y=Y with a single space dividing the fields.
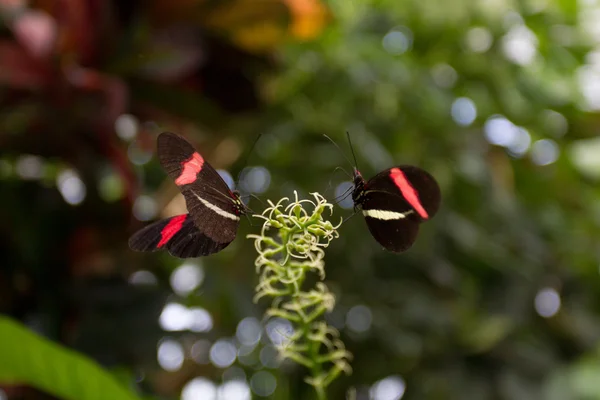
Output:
x=289 y=247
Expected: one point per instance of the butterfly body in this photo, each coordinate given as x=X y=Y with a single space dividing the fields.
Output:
x=214 y=210
x=395 y=202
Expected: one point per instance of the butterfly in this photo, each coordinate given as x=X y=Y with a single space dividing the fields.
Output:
x=213 y=209
x=395 y=202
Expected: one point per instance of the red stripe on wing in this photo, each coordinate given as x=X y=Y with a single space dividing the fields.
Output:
x=190 y=169
x=171 y=229
x=408 y=192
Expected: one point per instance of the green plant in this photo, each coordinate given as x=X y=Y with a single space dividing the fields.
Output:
x=290 y=246
x=27 y=358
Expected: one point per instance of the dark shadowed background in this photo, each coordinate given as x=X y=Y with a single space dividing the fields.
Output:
x=498 y=299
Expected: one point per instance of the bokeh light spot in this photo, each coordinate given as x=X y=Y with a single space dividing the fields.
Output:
x=263 y=383
x=588 y=77
x=234 y=390
x=199 y=389
x=186 y=278
x=390 y=388
x=547 y=302
x=143 y=277
x=223 y=353
x=544 y=152
x=343 y=194
x=279 y=331
x=397 y=41
x=588 y=19
x=500 y=131
x=111 y=187
x=170 y=355
x=555 y=123
x=359 y=318
x=444 y=75
x=247 y=355
x=126 y=126
x=511 y=19
x=138 y=155
x=585 y=156
x=479 y=39
x=234 y=373
x=200 y=320
x=227 y=178
x=520 y=143
x=255 y=179
x=71 y=187
x=269 y=357
x=464 y=111
x=200 y=351
x=144 y=208
x=177 y=317
x=249 y=331
x=174 y=317
x=30 y=167
x=520 y=45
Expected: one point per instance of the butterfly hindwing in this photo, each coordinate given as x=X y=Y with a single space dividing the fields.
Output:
x=390 y=219
x=189 y=242
x=209 y=200
x=396 y=236
x=179 y=235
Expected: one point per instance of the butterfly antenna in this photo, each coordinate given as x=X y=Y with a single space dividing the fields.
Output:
x=333 y=173
x=343 y=196
x=254 y=196
x=340 y=149
x=352 y=149
x=348 y=218
x=223 y=195
x=247 y=215
x=250 y=151
x=257 y=198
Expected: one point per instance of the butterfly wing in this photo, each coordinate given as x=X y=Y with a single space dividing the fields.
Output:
x=210 y=202
x=396 y=201
x=179 y=235
x=416 y=187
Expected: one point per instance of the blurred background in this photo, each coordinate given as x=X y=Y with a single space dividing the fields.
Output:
x=498 y=99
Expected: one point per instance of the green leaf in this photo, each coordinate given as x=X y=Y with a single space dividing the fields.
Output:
x=28 y=358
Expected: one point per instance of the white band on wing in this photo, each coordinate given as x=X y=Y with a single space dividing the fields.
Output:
x=385 y=215
x=216 y=209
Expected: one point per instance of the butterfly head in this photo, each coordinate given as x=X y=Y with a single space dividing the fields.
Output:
x=359 y=188
x=239 y=208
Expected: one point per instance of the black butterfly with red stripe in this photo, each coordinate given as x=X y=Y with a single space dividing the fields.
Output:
x=213 y=209
x=395 y=202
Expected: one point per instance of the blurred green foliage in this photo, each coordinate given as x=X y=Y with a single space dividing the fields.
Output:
x=459 y=316
x=48 y=366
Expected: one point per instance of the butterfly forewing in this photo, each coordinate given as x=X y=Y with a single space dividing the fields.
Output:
x=394 y=235
x=216 y=218
x=417 y=189
x=179 y=235
x=209 y=200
